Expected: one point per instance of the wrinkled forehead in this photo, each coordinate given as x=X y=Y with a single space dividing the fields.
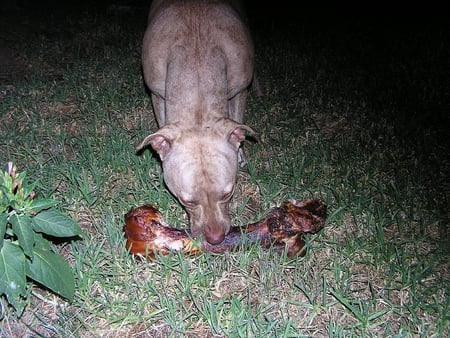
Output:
x=212 y=171
x=202 y=166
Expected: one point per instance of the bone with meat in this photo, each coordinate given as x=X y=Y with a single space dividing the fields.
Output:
x=147 y=233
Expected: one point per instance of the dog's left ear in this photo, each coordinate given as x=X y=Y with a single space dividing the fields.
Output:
x=238 y=135
x=235 y=132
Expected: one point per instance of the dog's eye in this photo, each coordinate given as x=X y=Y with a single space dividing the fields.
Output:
x=188 y=203
x=227 y=192
x=227 y=195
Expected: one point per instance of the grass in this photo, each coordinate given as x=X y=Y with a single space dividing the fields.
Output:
x=353 y=124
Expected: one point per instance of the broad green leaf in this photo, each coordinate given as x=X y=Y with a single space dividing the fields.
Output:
x=12 y=274
x=3 y=223
x=41 y=242
x=39 y=205
x=21 y=225
x=52 y=271
x=54 y=223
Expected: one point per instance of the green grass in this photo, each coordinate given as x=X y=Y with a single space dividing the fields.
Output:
x=75 y=107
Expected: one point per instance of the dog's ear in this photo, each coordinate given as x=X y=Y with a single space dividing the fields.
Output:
x=235 y=132
x=238 y=135
x=161 y=141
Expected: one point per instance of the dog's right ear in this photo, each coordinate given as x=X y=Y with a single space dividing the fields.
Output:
x=161 y=141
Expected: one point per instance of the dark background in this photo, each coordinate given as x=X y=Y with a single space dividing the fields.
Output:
x=394 y=57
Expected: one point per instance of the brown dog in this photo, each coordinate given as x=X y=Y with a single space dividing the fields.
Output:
x=197 y=59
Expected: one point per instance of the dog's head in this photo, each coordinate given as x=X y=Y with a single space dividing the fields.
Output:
x=200 y=167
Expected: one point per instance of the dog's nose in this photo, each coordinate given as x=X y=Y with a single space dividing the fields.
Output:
x=214 y=237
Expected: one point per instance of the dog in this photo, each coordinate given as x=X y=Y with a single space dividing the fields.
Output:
x=198 y=64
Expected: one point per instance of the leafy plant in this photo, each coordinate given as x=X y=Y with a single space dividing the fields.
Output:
x=27 y=226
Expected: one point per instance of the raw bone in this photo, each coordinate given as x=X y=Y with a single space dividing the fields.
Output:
x=147 y=233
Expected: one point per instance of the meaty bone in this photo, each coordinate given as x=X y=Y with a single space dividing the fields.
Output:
x=147 y=233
